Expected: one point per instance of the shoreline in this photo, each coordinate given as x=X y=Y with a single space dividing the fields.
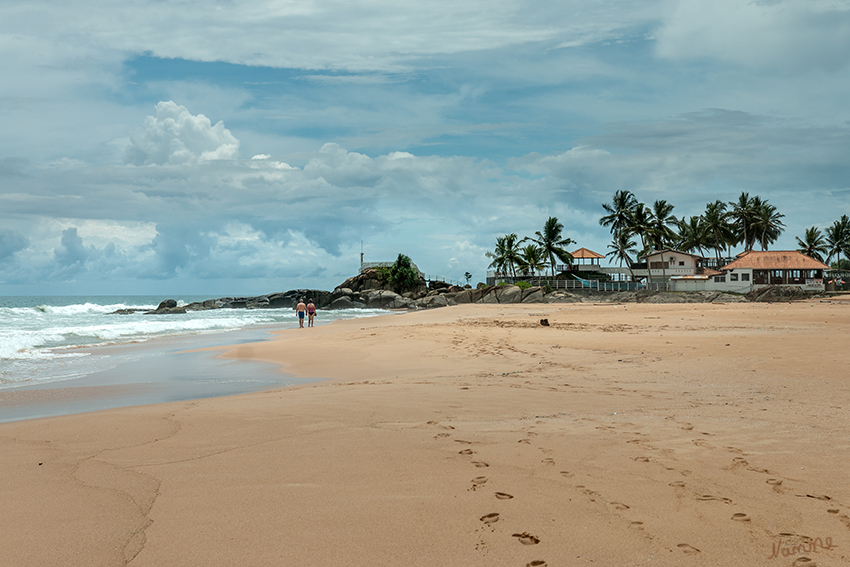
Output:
x=159 y=370
x=691 y=434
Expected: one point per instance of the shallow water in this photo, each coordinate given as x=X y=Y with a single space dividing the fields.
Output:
x=63 y=355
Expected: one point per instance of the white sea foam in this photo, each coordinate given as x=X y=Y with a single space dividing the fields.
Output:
x=47 y=339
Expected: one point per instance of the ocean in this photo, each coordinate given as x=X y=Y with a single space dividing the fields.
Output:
x=55 y=341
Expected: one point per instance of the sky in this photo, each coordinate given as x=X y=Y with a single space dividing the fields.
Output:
x=246 y=147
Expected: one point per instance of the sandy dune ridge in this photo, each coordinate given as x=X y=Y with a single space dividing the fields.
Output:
x=618 y=435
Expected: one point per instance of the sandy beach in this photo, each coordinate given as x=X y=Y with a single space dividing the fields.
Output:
x=679 y=434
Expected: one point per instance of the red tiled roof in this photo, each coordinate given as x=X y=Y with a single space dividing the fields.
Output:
x=585 y=253
x=775 y=260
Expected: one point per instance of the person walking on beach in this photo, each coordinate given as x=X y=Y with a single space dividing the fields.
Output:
x=311 y=312
x=301 y=309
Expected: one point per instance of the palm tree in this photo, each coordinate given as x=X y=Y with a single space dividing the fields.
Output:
x=716 y=226
x=622 y=249
x=767 y=224
x=661 y=220
x=838 y=239
x=506 y=255
x=619 y=211
x=531 y=259
x=551 y=243
x=812 y=244
x=640 y=224
x=692 y=235
x=741 y=215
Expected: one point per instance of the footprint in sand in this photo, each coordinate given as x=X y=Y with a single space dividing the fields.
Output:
x=526 y=538
x=480 y=464
x=620 y=506
x=462 y=441
x=567 y=474
x=740 y=517
x=490 y=518
x=478 y=481
x=636 y=525
x=677 y=484
x=466 y=452
x=687 y=427
x=689 y=549
x=537 y=563
x=801 y=561
x=642 y=459
x=548 y=461
x=774 y=482
x=817 y=496
x=503 y=496
x=708 y=497
x=439 y=435
x=833 y=511
x=524 y=441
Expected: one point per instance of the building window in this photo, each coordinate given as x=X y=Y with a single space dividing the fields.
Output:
x=745 y=277
x=719 y=279
x=733 y=277
x=681 y=263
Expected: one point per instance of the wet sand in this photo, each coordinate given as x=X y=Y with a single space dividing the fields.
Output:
x=617 y=435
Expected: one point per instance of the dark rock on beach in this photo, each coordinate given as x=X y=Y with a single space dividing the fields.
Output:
x=776 y=293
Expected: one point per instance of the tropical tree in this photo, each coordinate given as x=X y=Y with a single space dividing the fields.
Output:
x=622 y=250
x=661 y=221
x=715 y=222
x=506 y=255
x=692 y=235
x=619 y=211
x=838 y=239
x=813 y=244
x=532 y=259
x=640 y=224
x=552 y=244
x=767 y=224
x=741 y=215
x=403 y=275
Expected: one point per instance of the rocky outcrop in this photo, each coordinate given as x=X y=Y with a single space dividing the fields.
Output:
x=168 y=307
x=281 y=300
x=776 y=293
x=502 y=294
x=370 y=279
x=643 y=296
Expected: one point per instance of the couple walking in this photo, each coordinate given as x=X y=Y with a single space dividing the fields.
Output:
x=309 y=310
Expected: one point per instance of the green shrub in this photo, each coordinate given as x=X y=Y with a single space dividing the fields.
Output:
x=523 y=285
x=402 y=276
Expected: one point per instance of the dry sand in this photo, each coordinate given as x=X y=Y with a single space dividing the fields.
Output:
x=472 y=435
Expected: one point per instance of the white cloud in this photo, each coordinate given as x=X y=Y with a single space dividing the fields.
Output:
x=776 y=35
x=175 y=136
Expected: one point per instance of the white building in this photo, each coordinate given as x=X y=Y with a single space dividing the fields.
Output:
x=749 y=270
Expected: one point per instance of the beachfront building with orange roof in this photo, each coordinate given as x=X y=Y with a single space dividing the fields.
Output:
x=586 y=260
x=682 y=271
x=775 y=267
